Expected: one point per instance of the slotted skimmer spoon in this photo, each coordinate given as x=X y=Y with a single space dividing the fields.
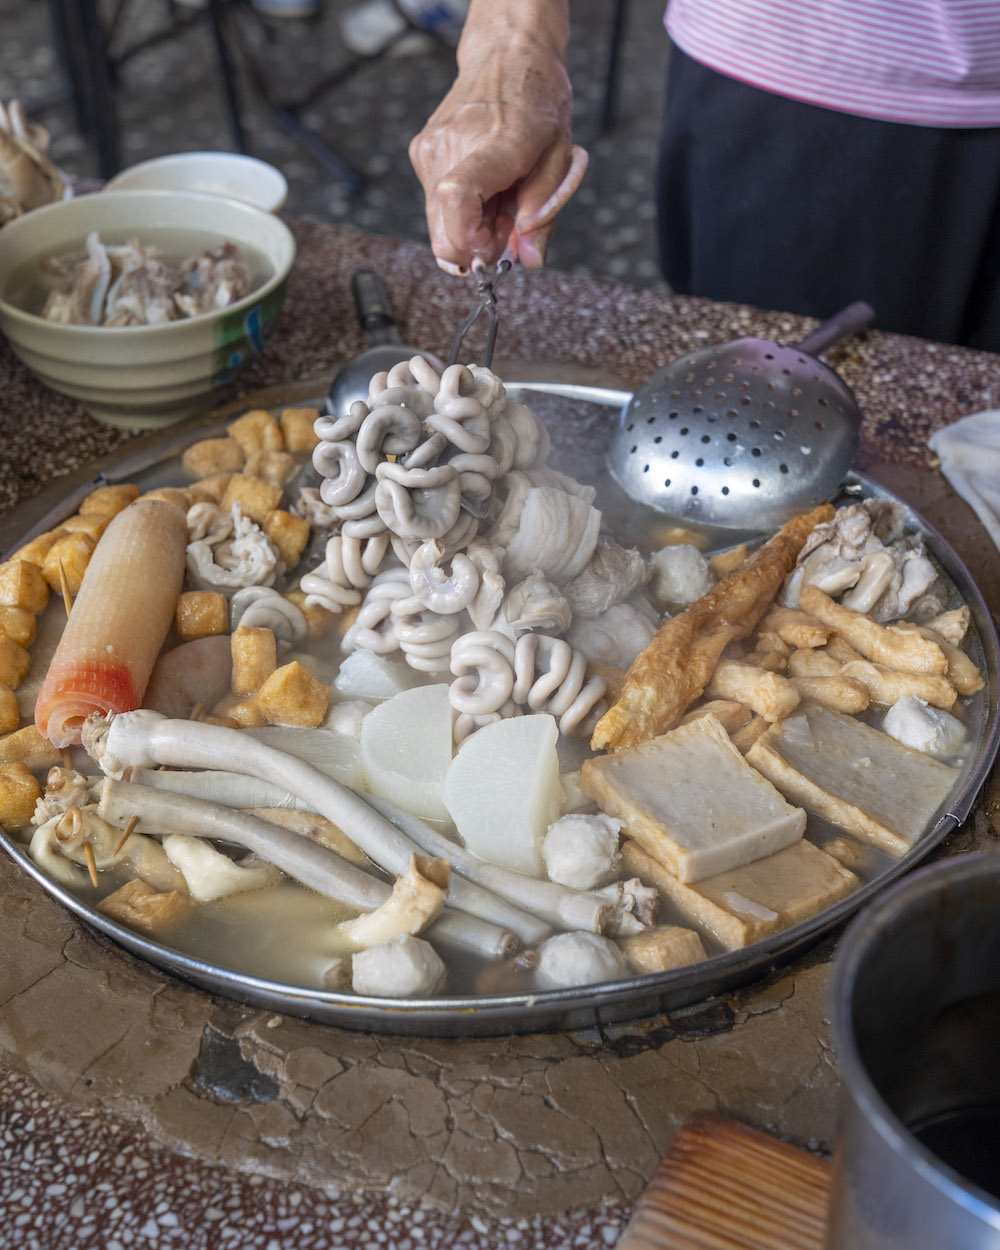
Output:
x=740 y=435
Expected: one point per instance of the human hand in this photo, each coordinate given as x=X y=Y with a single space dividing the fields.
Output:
x=496 y=159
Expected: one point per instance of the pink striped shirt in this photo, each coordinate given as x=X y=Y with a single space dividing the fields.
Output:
x=928 y=62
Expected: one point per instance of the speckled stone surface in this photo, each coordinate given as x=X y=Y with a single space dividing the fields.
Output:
x=286 y=1129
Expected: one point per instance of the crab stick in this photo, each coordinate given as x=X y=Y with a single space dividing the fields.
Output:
x=118 y=623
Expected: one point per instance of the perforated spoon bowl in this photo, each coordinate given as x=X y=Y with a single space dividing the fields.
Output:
x=741 y=435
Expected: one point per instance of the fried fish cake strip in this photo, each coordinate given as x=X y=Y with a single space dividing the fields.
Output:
x=898 y=646
x=678 y=663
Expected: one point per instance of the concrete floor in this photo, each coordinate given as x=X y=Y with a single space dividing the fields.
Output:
x=171 y=100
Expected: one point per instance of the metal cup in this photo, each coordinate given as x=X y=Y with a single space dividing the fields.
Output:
x=916 y=1028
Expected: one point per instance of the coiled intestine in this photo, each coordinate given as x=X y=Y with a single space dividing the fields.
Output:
x=347 y=570
x=439 y=468
x=265 y=608
x=538 y=672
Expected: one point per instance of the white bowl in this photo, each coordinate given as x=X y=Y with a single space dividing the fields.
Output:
x=142 y=377
x=216 y=173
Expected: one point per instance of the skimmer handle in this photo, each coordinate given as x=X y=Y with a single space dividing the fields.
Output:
x=840 y=326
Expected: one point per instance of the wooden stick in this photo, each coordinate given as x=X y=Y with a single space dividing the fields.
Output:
x=197 y=712
x=88 y=855
x=126 y=834
x=64 y=586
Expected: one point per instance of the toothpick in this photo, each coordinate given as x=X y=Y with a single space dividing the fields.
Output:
x=67 y=758
x=126 y=834
x=197 y=712
x=88 y=855
x=64 y=586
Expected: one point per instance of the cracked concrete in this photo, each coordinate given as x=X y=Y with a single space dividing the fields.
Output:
x=538 y=1124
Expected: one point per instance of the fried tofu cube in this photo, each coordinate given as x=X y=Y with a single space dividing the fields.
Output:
x=27 y=746
x=19 y=790
x=17 y=624
x=70 y=555
x=297 y=425
x=257 y=430
x=209 y=489
x=23 y=586
x=276 y=467
x=92 y=523
x=238 y=713
x=289 y=533
x=14 y=662
x=110 y=499
x=176 y=495
x=662 y=947
x=10 y=715
x=293 y=696
x=139 y=906
x=256 y=498
x=201 y=614
x=35 y=551
x=211 y=456
x=255 y=656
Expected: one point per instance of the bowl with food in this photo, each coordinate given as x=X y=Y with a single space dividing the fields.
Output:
x=230 y=174
x=142 y=304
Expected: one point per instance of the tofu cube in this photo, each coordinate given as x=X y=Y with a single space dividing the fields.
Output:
x=14 y=662
x=69 y=555
x=255 y=656
x=27 y=746
x=110 y=499
x=662 y=947
x=297 y=427
x=211 y=456
x=19 y=790
x=10 y=713
x=276 y=467
x=256 y=498
x=23 y=586
x=289 y=533
x=140 y=907
x=209 y=489
x=691 y=800
x=34 y=552
x=18 y=624
x=257 y=430
x=293 y=696
x=201 y=614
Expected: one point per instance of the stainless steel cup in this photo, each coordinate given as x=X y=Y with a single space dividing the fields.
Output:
x=916 y=1028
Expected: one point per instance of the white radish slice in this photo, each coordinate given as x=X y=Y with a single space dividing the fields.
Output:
x=406 y=748
x=365 y=675
x=503 y=791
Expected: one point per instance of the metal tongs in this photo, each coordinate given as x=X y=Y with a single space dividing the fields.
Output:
x=487 y=279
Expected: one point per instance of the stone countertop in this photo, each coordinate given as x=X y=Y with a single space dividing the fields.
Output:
x=133 y=1105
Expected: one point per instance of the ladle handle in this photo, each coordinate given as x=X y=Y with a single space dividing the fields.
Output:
x=840 y=326
x=374 y=313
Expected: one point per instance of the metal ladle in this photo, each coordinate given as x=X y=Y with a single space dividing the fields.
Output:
x=384 y=350
x=739 y=436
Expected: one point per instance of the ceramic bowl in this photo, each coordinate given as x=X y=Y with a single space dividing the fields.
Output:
x=217 y=173
x=142 y=377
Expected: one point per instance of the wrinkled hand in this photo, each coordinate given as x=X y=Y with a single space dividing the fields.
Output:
x=496 y=159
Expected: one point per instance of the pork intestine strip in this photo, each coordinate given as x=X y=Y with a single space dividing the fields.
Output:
x=162 y=813
x=118 y=623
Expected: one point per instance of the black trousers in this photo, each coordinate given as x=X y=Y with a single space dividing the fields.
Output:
x=766 y=201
